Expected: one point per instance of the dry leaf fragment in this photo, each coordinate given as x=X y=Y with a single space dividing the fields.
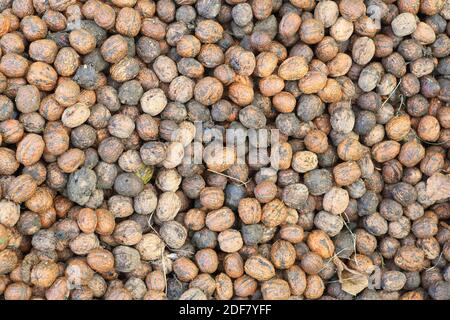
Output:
x=352 y=282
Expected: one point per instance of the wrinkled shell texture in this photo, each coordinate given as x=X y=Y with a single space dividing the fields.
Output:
x=209 y=149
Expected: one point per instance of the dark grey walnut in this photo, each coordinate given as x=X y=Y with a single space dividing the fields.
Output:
x=81 y=184
x=128 y=184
